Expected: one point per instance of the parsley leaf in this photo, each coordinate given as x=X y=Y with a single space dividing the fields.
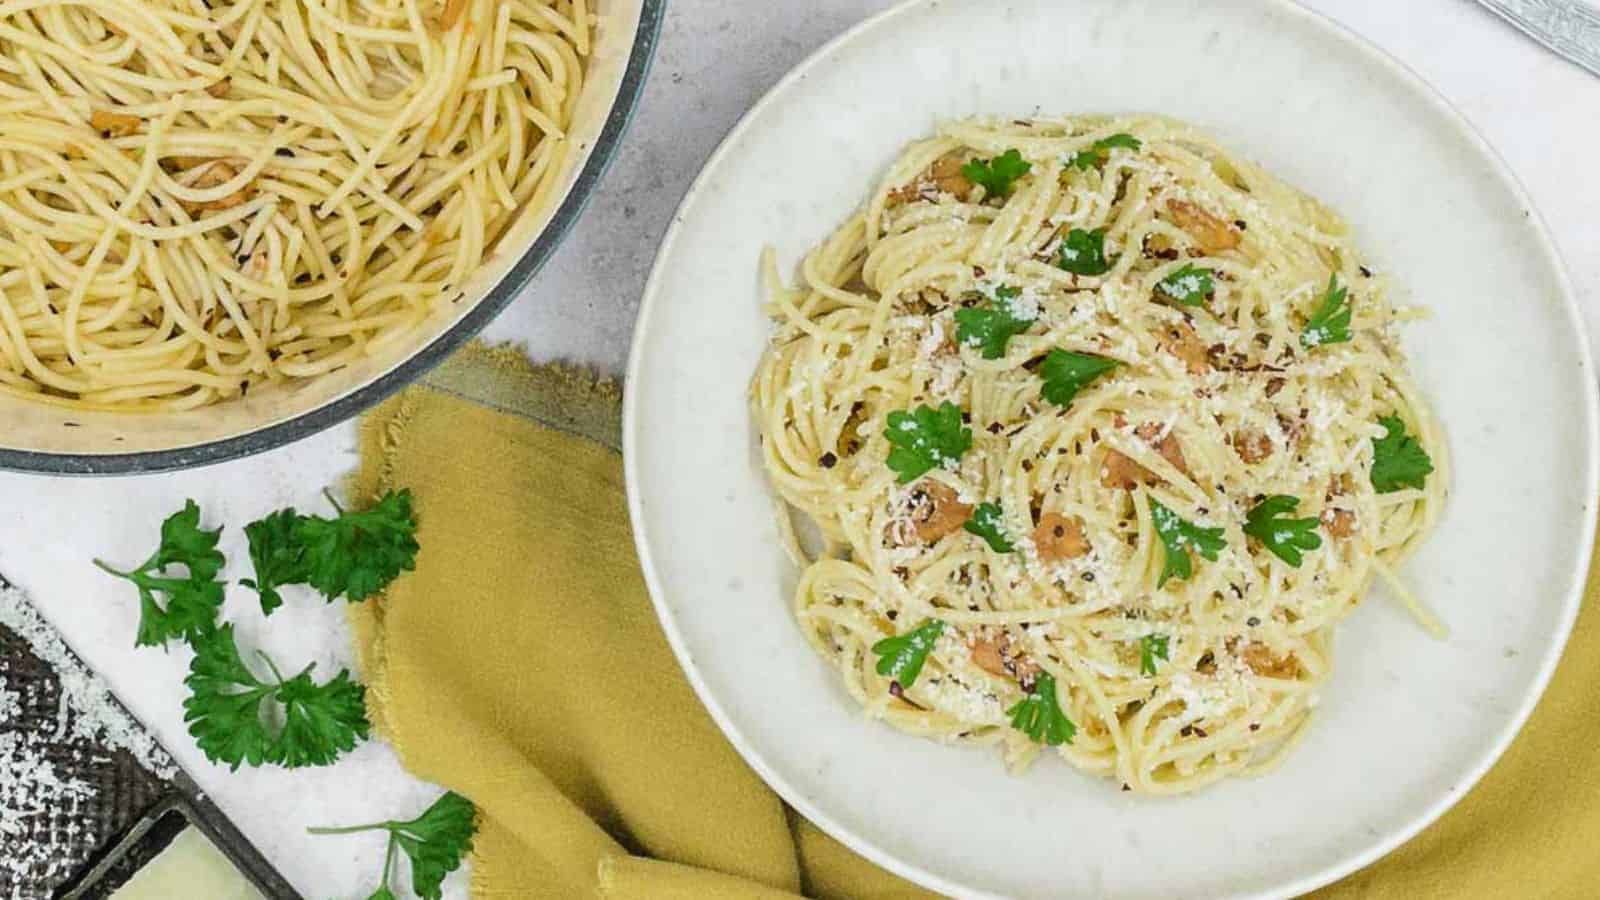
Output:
x=926 y=439
x=190 y=601
x=1151 y=648
x=1188 y=286
x=1330 y=324
x=224 y=708
x=1178 y=537
x=225 y=712
x=1100 y=150
x=1065 y=373
x=900 y=658
x=320 y=721
x=1120 y=139
x=1084 y=252
x=435 y=842
x=1284 y=537
x=992 y=327
x=357 y=554
x=986 y=523
x=1039 y=714
x=277 y=555
x=1398 y=461
x=998 y=175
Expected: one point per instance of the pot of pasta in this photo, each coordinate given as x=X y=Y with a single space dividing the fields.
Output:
x=225 y=226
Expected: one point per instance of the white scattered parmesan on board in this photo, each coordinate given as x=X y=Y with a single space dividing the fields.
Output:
x=88 y=710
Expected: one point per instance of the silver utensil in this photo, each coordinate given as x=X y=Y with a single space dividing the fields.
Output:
x=1569 y=27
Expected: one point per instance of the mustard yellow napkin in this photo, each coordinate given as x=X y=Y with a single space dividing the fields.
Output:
x=522 y=666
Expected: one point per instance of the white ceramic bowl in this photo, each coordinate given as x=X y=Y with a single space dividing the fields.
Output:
x=42 y=438
x=1407 y=724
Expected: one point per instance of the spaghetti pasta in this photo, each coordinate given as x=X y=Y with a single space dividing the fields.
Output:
x=201 y=196
x=1101 y=429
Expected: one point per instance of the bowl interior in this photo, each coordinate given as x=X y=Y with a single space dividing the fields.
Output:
x=48 y=438
x=1407 y=724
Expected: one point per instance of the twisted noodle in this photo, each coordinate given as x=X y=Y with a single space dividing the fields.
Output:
x=870 y=330
x=198 y=196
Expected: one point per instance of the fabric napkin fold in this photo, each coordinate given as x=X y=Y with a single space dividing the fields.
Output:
x=522 y=666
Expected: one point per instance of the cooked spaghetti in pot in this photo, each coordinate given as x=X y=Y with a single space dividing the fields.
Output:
x=1104 y=429
x=201 y=196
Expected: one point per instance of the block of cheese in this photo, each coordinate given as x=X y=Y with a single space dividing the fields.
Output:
x=191 y=866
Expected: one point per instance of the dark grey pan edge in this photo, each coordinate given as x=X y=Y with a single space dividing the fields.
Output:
x=356 y=402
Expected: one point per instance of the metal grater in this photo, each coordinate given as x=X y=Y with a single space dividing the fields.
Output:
x=108 y=814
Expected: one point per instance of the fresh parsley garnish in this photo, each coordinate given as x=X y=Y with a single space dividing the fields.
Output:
x=189 y=601
x=277 y=556
x=1065 y=373
x=900 y=658
x=1330 y=324
x=1178 y=537
x=990 y=328
x=926 y=439
x=435 y=842
x=1188 y=286
x=357 y=554
x=1084 y=252
x=1100 y=150
x=1283 y=536
x=999 y=175
x=1151 y=648
x=1039 y=714
x=237 y=717
x=986 y=523
x=354 y=554
x=1398 y=460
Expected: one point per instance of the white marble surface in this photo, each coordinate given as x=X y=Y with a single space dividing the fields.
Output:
x=716 y=57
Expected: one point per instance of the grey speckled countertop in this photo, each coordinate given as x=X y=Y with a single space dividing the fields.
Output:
x=716 y=57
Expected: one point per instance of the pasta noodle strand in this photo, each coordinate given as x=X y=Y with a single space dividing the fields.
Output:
x=201 y=196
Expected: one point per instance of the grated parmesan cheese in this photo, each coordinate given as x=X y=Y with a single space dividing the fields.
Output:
x=32 y=789
x=88 y=710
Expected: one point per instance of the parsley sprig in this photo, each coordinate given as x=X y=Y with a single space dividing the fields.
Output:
x=435 y=843
x=1178 y=537
x=1188 y=286
x=990 y=328
x=1330 y=324
x=1151 y=648
x=238 y=718
x=1398 y=460
x=189 y=601
x=986 y=522
x=1285 y=537
x=1065 y=373
x=999 y=175
x=1039 y=714
x=900 y=658
x=355 y=554
x=925 y=439
x=1083 y=252
x=1100 y=150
